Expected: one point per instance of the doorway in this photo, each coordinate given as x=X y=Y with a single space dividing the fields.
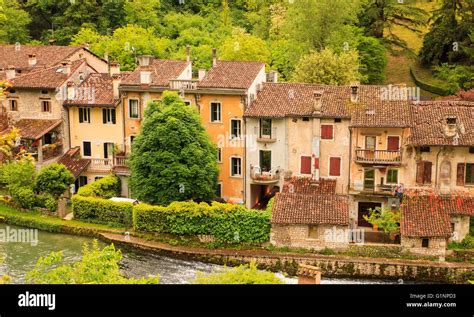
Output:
x=364 y=210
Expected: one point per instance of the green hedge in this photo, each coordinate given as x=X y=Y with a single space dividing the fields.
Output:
x=97 y=210
x=227 y=223
x=441 y=91
x=107 y=187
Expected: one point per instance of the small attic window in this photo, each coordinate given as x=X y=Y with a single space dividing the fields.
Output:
x=471 y=150
x=44 y=92
x=337 y=120
x=451 y=120
x=306 y=119
x=370 y=112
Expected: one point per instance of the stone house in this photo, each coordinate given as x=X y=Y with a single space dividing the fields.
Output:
x=309 y=214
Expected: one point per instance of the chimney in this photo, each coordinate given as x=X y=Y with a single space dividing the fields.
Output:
x=32 y=59
x=318 y=94
x=116 y=78
x=106 y=57
x=144 y=60
x=114 y=68
x=10 y=72
x=71 y=90
x=66 y=65
x=52 y=41
x=272 y=76
x=145 y=78
x=188 y=53
x=354 y=91
x=202 y=73
x=214 y=57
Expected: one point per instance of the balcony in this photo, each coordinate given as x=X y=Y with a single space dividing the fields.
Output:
x=117 y=165
x=103 y=165
x=271 y=177
x=378 y=157
x=378 y=189
x=179 y=84
x=266 y=136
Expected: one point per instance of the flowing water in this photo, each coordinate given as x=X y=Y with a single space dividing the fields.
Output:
x=17 y=258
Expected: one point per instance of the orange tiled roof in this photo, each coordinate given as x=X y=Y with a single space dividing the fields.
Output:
x=307 y=186
x=73 y=162
x=48 y=78
x=96 y=90
x=232 y=75
x=162 y=71
x=34 y=129
x=429 y=121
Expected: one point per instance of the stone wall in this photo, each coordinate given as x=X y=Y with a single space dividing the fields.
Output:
x=461 y=227
x=436 y=246
x=309 y=237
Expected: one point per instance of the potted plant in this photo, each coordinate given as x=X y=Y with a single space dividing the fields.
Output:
x=388 y=220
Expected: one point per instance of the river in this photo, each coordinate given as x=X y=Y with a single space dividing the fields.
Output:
x=17 y=258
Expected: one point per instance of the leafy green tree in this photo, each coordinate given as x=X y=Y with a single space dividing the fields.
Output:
x=380 y=16
x=53 y=179
x=143 y=13
x=448 y=38
x=13 y=22
x=455 y=77
x=327 y=67
x=244 y=47
x=20 y=173
x=96 y=267
x=244 y=274
x=173 y=158
x=285 y=54
x=373 y=59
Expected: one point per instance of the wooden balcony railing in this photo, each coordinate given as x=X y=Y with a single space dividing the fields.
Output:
x=179 y=84
x=273 y=176
x=378 y=156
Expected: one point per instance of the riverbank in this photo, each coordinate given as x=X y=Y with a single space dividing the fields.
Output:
x=331 y=265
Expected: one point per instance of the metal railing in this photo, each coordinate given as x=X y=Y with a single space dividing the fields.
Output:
x=378 y=156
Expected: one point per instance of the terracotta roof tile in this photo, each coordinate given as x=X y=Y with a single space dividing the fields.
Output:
x=232 y=75
x=96 y=90
x=46 y=55
x=310 y=209
x=162 y=71
x=48 y=78
x=74 y=163
x=430 y=126
x=34 y=129
x=307 y=186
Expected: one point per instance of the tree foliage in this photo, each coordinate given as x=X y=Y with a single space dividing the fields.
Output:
x=173 y=158
x=13 y=22
x=327 y=67
x=53 y=179
x=96 y=267
x=244 y=274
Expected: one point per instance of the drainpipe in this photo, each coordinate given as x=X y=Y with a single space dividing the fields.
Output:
x=437 y=161
x=350 y=160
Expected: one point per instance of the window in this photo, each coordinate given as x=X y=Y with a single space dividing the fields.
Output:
x=216 y=112
x=44 y=92
x=86 y=148
x=392 y=176
x=423 y=172
x=235 y=128
x=469 y=174
x=370 y=143
x=313 y=232
x=219 y=155
x=46 y=106
x=305 y=119
x=305 y=165
x=108 y=116
x=337 y=120
x=327 y=132
x=369 y=179
x=425 y=149
x=451 y=120
x=425 y=243
x=132 y=138
x=219 y=190
x=133 y=109
x=471 y=149
x=266 y=161
x=236 y=166
x=393 y=143
x=84 y=115
x=187 y=102
x=334 y=166
x=13 y=105
x=80 y=181
x=266 y=128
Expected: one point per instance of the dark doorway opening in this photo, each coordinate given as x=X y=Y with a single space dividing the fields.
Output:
x=364 y=210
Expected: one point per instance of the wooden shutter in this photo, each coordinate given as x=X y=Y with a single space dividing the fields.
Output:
x=306 y=165
x=420 y=172
x=393 y=143
x=461 y=171
x=427 y=172
x=104 y=116
x=81 y=115
x=335 y=166
x=326 y=132
x=113 y=116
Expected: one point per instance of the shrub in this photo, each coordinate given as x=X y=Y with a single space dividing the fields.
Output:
x=244 y=274
x=106 y=188
x=24 y=196
x=104 y=211
x=467 y=243
x=51 y=204
x=53 y=179
x=227 y=223
x=17 y=173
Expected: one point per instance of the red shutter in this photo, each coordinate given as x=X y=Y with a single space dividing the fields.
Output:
x=335 y=166
x=326 y=132
x=306 y=165
x=427 y=176
x=393 y=143
x=460 y=174
x=420 y=172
